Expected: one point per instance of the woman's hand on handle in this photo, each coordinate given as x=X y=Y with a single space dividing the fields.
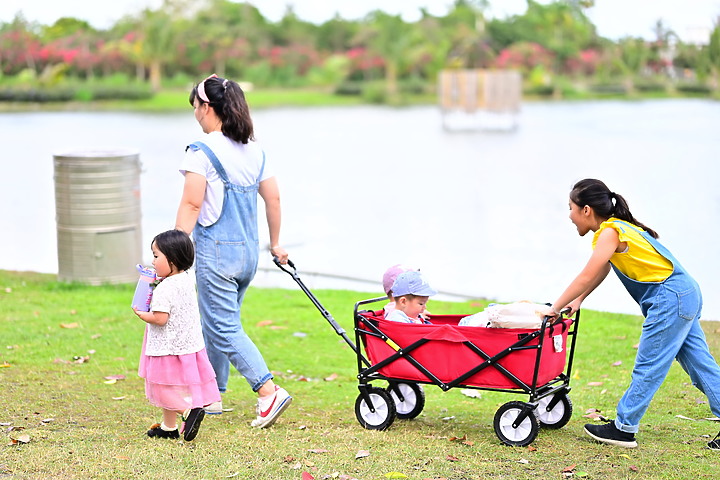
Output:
x=280 y=253
x=574 y=306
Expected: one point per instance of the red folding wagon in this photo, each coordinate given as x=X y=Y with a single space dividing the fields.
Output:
x=533 y=362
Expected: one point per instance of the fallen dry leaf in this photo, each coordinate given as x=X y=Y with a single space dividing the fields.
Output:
x=594 y=384
x=453 y=439
x=523 y=461
x=595 y=416
x=452 y=458
x=395 y=475
x=362 y=454
x=568 y=469
x=469 y=392
x=318 y=450
x=307 y=476
x=633 y=468
x=263 y=323
x=115 y=377
x=119 y=398
x=617 y=364
x=5 y=365
x=24 y=438
x=331 y=377
x=69 y=325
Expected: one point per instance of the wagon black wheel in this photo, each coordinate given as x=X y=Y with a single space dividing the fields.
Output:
x=559 y=415
x=515 y=436
x=384 y=406
x=412 y=401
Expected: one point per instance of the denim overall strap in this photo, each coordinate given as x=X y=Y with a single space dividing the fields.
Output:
x=644 y=292
x=671 y=330
x=213 y=159
x=226 y=259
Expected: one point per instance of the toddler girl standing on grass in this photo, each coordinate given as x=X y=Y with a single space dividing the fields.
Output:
x=178 y=376
x=668 y=296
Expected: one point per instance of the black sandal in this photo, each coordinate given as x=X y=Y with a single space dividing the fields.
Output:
x=157 y=431
x=192 y=423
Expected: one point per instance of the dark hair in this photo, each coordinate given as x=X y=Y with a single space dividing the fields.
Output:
x=177 y=248
x=228 y=100
x=597 y=195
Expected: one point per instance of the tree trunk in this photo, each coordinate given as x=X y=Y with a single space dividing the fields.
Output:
x=391 y=85
x=140 y=72
x=155 y=75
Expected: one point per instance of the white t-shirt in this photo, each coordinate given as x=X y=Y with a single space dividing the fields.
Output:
x=182 y=334
x=242 y=164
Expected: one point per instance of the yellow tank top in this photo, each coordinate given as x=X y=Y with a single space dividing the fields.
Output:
x=640 y=261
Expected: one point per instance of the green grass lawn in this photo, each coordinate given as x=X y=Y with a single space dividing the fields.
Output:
x=63 y=415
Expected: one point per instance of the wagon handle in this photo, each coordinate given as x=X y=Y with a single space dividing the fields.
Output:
x=293 y=273
x=559 y=320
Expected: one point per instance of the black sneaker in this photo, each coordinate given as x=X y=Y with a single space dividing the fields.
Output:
x=156 y=431
x=609 y=433
x=715 y=444
x=192 y=423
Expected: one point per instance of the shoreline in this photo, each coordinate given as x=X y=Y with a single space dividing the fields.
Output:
x=442 y=296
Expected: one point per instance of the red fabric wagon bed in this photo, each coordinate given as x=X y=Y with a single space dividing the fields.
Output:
x=449 y=351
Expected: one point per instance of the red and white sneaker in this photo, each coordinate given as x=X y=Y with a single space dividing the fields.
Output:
x=269 y=409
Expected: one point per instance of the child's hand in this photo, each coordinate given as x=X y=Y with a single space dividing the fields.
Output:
x=140 y=313
x=547 y=311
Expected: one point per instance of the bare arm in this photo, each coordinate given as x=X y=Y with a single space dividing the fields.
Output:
x=154 y=318
x=593 y=274
x=192 y=198
x=270 y=194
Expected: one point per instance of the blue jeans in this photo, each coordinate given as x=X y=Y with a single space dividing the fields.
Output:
x=226 y=259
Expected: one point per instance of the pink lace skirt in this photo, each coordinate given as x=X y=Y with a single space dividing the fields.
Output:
x=179 y=382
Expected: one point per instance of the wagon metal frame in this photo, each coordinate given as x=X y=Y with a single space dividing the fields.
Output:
x=382 y=349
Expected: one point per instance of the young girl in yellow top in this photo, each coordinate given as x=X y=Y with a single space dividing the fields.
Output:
x=668 y=296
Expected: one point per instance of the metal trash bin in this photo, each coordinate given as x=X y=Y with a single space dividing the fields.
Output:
x=97 y=205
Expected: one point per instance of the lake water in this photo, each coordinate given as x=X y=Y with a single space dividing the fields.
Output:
x=482 y=213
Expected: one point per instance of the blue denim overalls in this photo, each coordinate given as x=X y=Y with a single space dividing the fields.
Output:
x=671 y=330
x=226 y=259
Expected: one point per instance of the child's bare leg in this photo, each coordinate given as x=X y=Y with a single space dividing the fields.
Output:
x=170 y=418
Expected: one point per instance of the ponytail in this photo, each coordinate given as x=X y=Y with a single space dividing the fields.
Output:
x=228 y=100
x=605 y=203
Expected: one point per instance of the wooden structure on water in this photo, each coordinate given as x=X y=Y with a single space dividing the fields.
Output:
x=483 y=97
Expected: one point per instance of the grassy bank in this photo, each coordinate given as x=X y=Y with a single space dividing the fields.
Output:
x=66 y=415
x=174 y=100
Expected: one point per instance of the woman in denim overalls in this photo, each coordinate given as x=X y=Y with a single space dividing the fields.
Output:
x=670 y=302
x=223 y=176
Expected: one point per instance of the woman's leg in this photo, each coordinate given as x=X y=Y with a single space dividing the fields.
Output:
x=663 y=334
x=698 y=362
x=220 y=299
